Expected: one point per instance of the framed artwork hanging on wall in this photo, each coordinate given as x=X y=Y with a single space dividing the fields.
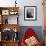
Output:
x=30 y=13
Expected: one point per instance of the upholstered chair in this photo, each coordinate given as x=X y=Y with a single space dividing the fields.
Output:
x=30 y=38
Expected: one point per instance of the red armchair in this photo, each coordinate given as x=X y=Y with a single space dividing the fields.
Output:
x=28 y=34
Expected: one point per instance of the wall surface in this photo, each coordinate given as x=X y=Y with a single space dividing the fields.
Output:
x=39 y=21
x=21 y=4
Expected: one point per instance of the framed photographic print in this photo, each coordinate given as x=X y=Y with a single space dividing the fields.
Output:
x=30 y=13
x=5 y=12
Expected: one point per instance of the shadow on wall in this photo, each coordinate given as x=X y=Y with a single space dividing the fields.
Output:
x=37 y=29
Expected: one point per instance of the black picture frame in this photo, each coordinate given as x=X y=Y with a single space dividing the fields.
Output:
x=30 y=13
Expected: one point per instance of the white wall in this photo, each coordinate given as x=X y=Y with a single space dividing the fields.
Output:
x=21 y=4
x=37 y=3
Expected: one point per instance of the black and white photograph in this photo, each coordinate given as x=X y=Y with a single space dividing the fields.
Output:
x=30 y=12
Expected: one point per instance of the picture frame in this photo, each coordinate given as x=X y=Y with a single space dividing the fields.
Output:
x=5 y=12
x=30 y=13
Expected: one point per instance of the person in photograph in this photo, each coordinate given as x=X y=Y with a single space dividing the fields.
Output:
x=29 y=14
